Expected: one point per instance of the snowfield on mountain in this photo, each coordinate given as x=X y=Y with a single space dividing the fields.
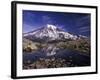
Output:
x=49 y=33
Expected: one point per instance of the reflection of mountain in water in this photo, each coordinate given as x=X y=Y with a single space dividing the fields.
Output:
x=51 y=50
x=54 y=57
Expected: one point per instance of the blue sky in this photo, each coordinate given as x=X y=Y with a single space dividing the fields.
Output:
x=76 y=23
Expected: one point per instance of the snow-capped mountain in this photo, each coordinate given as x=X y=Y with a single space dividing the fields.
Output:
x=49 y=33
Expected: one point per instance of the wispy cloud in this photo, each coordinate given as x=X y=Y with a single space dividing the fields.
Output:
x=46 y=19
x=84 y=18
x=62 y=27
x=84 y=29
x=28 y=28
x=84 y=21
x=84 y=24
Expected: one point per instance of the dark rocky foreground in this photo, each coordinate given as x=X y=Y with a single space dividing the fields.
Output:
x=48 y=63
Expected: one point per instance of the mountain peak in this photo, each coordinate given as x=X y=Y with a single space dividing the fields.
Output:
x=51 y=32
x=51 y=26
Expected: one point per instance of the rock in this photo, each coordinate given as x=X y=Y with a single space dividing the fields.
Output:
x=48 y=63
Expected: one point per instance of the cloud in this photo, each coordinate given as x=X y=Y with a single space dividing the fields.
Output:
x=27 y=27
x=47 y=20
x=83 y=21
x=84 y=24
x=84 y=29
x=62 y=27
x=84 y=18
